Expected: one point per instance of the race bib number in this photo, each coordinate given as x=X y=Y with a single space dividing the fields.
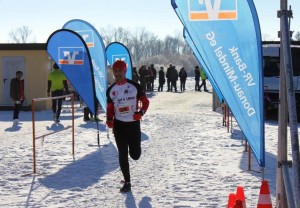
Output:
x=124 y=109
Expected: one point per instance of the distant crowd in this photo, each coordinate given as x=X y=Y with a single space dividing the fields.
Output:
x=146 y=76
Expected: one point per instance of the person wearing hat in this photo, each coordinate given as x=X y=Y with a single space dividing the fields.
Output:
x=123 y=115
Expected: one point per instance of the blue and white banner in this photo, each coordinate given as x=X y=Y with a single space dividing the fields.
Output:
x=98 y=56
x=227 y=34
x=70 y=53
x=117 y=51
x=203 y=64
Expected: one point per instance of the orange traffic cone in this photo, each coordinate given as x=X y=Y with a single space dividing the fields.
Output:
x=231 y=200
x=240 y=195
x=264 y=200
x=238 y=204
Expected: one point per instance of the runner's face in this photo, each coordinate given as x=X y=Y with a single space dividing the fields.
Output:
x=119 y=75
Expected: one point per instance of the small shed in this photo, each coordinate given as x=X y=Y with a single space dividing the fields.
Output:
x=33 y=60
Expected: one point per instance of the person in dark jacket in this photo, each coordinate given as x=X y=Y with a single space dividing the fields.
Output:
x=148 y=78
x=161 y=79
x=182 y=76
x=17 y=94
x=135 y=75
x=197 y=78
x=142 y=73
x=153 y=77
x=173 y=78
x=168 y=77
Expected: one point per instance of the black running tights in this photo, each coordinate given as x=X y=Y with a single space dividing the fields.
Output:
x=128 y=140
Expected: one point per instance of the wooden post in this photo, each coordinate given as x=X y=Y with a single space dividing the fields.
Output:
x=33 y=136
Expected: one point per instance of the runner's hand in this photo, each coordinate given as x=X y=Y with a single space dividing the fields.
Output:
x=137 y=116
x=110 y=123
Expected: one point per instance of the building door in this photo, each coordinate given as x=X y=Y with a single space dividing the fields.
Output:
x=10 y=65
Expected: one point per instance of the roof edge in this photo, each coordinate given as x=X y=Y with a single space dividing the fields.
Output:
x=22 y=46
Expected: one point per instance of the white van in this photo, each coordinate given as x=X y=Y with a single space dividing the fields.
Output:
x=271 y=67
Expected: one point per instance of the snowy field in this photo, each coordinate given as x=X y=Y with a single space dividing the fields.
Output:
x=188 y=159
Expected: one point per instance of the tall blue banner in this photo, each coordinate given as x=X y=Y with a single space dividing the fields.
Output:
x=227 y=34
x=98 y=56
x=70 y=53
x=203 y=64
x=117 y=51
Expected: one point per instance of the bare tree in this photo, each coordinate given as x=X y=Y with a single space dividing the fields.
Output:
x=111 y=34
x=142 y=41
x=21 y=35
x=172 y=45
x=145 y=47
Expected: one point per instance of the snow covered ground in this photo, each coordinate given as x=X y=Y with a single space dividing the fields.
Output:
x=188 y=160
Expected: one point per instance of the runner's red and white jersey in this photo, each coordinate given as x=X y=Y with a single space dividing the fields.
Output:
x=125 y=97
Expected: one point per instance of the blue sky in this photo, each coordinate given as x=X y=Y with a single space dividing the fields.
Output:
x=157 y=16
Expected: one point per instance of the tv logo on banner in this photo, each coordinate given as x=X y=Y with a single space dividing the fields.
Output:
x=203 y=10
x=122 y=57
x=88 y=37
x=71 y=55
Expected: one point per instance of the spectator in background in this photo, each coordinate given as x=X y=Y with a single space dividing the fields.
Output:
x=173 y=78
x=182 y=76
x=87 y=114
x=57 y=82
x=168 y=78
x=153 y=77
x=135 y=75
x=110 y=76
x=142 y=73
x=148 y=78
x=203 y=79
x=17 y=94
x=161 y=79
x=197 y=78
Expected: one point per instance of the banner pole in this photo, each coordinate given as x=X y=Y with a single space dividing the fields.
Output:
x=281 y=197
x=228 y=110
x=73 y=139
x=98 y=137
x=249 y=158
